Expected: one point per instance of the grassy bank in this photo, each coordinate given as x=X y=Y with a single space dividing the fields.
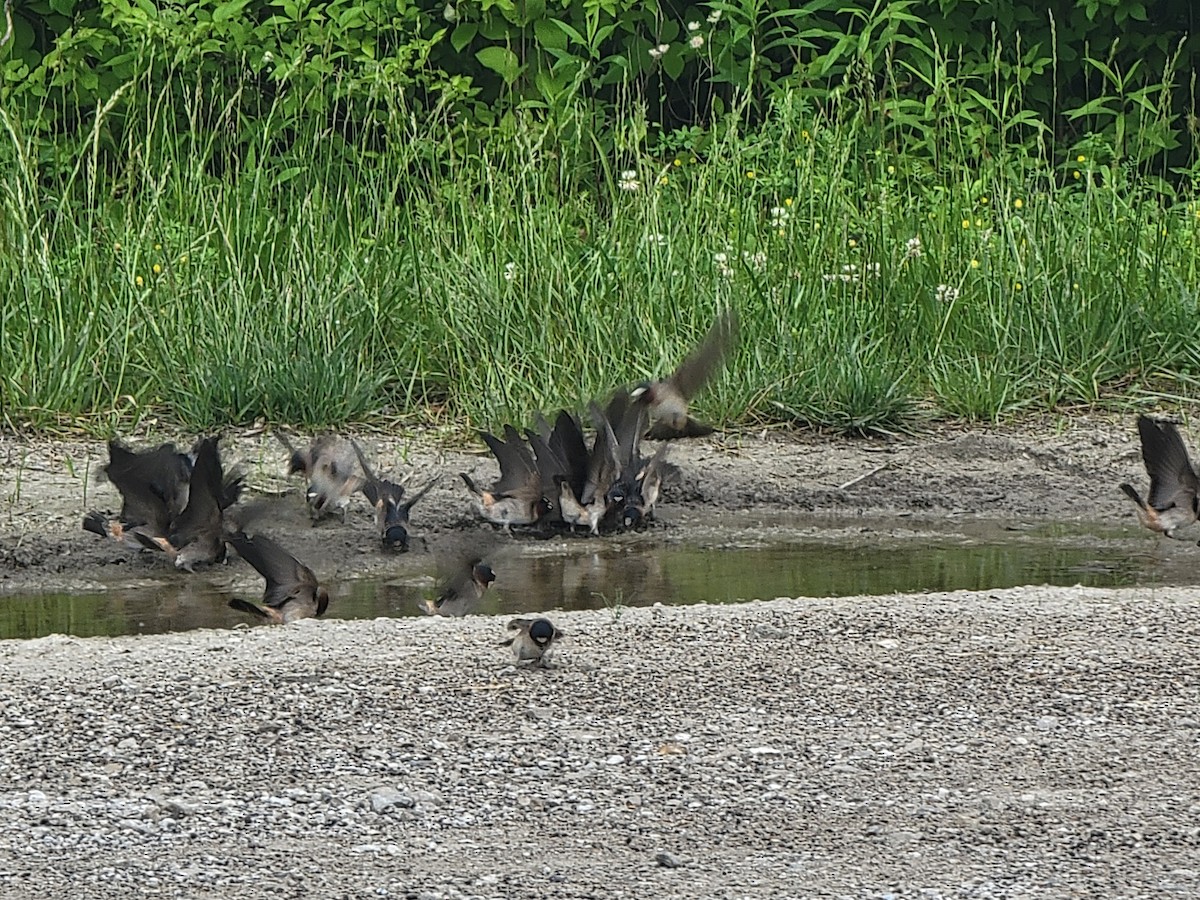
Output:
x=323 y=280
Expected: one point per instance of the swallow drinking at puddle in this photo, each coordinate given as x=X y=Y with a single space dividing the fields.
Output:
x=292 y=591
x=1172 y=502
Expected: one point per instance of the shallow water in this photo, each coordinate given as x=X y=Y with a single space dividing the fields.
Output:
x=598 y=574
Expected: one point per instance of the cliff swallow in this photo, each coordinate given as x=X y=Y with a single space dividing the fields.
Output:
x=639 y=507
x=462 y=583
x=517 y=497
x=391 y=509
x=197 y=535
x=292 y=591
x=1172 y=503
x=629 y=423
x=330 y=467
x=533 y=639
x=587 y=505
x=154 y=487
x=667 y=400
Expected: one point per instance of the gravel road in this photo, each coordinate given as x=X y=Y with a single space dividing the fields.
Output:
x=1036 y=742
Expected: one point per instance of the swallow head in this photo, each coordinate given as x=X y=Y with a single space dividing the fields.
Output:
x=541 y=632
x=395 y=537
x=483 y=574
x=643 y=392
x=542 y=507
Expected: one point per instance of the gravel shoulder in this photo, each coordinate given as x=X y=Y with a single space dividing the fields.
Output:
x=1032 y=742
x=1027 y=743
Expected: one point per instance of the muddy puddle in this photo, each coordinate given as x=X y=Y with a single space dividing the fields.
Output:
x=760 y=559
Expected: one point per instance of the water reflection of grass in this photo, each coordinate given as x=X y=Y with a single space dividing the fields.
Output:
x=620 y=577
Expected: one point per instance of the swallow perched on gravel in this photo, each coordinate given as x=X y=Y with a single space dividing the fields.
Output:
x=1172 y=503
x=391 y=509
x=533 y=639
x=292 y=590
x=462 y=582
x=198 y=534
x=330 y=467
x=667 y=400
x=154 y=486
x=517 y=497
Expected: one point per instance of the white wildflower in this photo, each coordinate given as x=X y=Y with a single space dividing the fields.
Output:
x=693 y=26
x=871 y=269
x=757 y=261
x=714 y=17
x=696 y=41
x=779 y=216
x=654 y=52
x=912 y=247
x=850 y=273
x=721 y=260
x=629 y=181
x=946 y=294
x=657 y=239
x=662 y=49
x=510 y=271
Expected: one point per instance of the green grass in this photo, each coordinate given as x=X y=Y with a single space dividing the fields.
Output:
x=322 y=282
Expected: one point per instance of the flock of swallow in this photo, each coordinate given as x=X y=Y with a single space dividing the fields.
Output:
x=185 y=504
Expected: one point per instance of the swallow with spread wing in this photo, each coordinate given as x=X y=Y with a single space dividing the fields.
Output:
x=292 y=591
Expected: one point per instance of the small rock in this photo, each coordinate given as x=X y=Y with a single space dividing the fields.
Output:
x=615 y=760
x=1047 y=723
x=667 y=860
x=386 y=798
x=178 y=808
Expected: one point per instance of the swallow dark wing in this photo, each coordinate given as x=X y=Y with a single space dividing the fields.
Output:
x=604 y=462
x=372 y=487
x=286 y=577
x=1173 y=481
x=202 y=516
x=699 y=366
x=517 y=465
x=154 y=485
x=411 y=501
x=567 y=441
x=628 y=422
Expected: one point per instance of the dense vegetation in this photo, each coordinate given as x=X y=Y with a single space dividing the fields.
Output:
x=331 y=211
